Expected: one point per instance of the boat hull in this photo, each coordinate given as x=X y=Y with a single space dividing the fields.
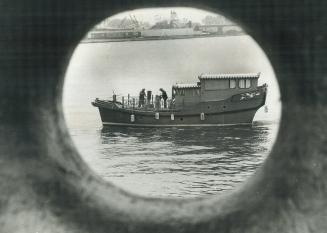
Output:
x=110 y=117
x=239 y=109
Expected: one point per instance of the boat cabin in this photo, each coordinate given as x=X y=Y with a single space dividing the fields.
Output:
x=213 y=87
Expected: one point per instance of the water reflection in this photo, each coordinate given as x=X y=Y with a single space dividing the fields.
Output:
x=183 y=161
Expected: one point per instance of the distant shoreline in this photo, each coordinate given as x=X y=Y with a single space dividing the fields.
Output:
x=154 y=38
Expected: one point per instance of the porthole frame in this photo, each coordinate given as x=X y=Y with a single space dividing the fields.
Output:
x=45 y=177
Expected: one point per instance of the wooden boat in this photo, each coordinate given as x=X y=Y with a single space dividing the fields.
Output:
x=216 y=99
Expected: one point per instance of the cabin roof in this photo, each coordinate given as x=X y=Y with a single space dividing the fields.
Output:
x=185 y=85
x=229 y=76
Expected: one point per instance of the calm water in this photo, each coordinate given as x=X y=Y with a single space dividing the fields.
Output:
x=179 y=162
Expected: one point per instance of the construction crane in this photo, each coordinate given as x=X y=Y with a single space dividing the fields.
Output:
x=134 y=21
x=121 y=25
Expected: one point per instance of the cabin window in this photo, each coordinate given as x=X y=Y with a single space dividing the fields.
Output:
x=232 y=83
x=156 y=116
x=241 y=83
x=172 y=117
x=244 y=83
x=202 y=116
x=247 y=83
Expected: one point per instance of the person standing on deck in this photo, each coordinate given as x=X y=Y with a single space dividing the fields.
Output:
x=164 y=96
x=142 y=98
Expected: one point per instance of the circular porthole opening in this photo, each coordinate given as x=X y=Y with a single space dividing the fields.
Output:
x=174 y=62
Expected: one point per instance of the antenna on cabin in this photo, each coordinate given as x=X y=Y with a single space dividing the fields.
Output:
x=114 y=96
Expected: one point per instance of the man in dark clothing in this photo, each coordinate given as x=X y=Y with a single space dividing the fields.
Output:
x=164 y=96
x=142 y=98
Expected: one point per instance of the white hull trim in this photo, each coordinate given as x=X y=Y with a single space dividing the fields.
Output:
x=166 y=125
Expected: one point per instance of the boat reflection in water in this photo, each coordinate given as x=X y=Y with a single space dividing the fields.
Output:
x=184 y=162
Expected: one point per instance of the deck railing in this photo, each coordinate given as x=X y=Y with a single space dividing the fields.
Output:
x=133 y=102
